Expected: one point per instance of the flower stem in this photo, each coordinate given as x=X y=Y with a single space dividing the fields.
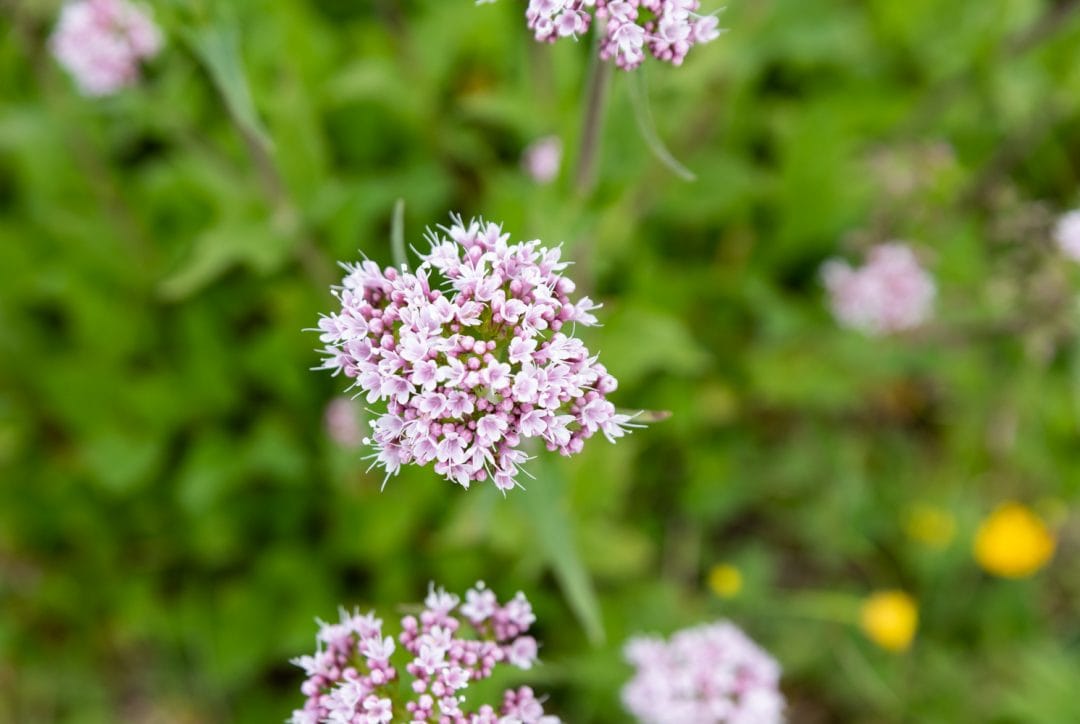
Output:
x=597 y=89
x=397 y=235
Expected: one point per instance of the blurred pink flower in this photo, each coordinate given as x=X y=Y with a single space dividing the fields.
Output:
x=709 y=674
x=542 y=159
x=890 y=293
x=351 y=678
x=101 y=43
x=1067 y=234
x=467 y=372
x=343 y=423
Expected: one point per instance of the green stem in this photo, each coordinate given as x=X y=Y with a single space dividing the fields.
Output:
x=597 y=89
x=397 y=235
x=639 y=95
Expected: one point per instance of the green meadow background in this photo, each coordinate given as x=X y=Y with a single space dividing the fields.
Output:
x=173 y=514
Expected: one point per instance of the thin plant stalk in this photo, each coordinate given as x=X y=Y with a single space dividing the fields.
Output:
x=639 y=96
x=597 y=89
x=397 y=235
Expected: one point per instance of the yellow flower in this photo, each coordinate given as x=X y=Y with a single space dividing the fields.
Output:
x=889 y=619
x=1013 y=542
x=725 y=580
x=930 y=525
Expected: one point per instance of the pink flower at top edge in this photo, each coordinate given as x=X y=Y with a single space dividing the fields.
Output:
x=102 y=42
x=664 y=29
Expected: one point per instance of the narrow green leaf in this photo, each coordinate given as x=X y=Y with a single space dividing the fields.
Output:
x=218 y=48
x=544 y=503
x=639 y=97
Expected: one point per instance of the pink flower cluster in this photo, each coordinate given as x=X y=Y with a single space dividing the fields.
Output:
x=665 y=28
x=351 y=680
x=890 y=293
x=1067 y=234
x=469 y=373
x=102 y=42
x=708 y=674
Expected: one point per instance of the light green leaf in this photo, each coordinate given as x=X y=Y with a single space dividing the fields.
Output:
x=545 y=504
x=218 y=48
x=215 y=251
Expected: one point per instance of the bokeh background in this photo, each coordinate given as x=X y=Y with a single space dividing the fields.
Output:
x=174 y=514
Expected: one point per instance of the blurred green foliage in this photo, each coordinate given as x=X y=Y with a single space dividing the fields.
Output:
x=173 y=515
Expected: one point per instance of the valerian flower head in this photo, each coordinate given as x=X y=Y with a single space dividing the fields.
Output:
x=471 y=354
x=665 y=29
x=352 y=677
x=709 y=674
x=102 y=42
x=890 y=293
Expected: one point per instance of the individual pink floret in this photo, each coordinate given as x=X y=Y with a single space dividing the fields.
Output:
x=890 y=293
x=471 y=355
x=102 y=42
x=708 y=674
x=352 y=677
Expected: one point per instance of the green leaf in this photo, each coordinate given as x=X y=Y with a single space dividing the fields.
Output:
x=215 y=251
x=671 y=347
x=545 y=503
x=218 y=48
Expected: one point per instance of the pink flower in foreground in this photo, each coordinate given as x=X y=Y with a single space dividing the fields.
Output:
x=666 y=29
x=1067 y=234
x=102 y=42
x=352 y=677
x=542 y=159
x=470 y=370
x=890 y=293
x=707 y=675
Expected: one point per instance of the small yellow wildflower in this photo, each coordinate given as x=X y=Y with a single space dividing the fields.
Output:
x=889 y=619
x=1013 y=542
x=930 y=525
x=725 y=580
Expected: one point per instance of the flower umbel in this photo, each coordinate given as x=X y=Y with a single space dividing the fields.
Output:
x=707 y=674
x=102 y=42
x=666 y=29
x=890 y=293
x=469 y=371
x=352 y=679
x=1013 y=542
